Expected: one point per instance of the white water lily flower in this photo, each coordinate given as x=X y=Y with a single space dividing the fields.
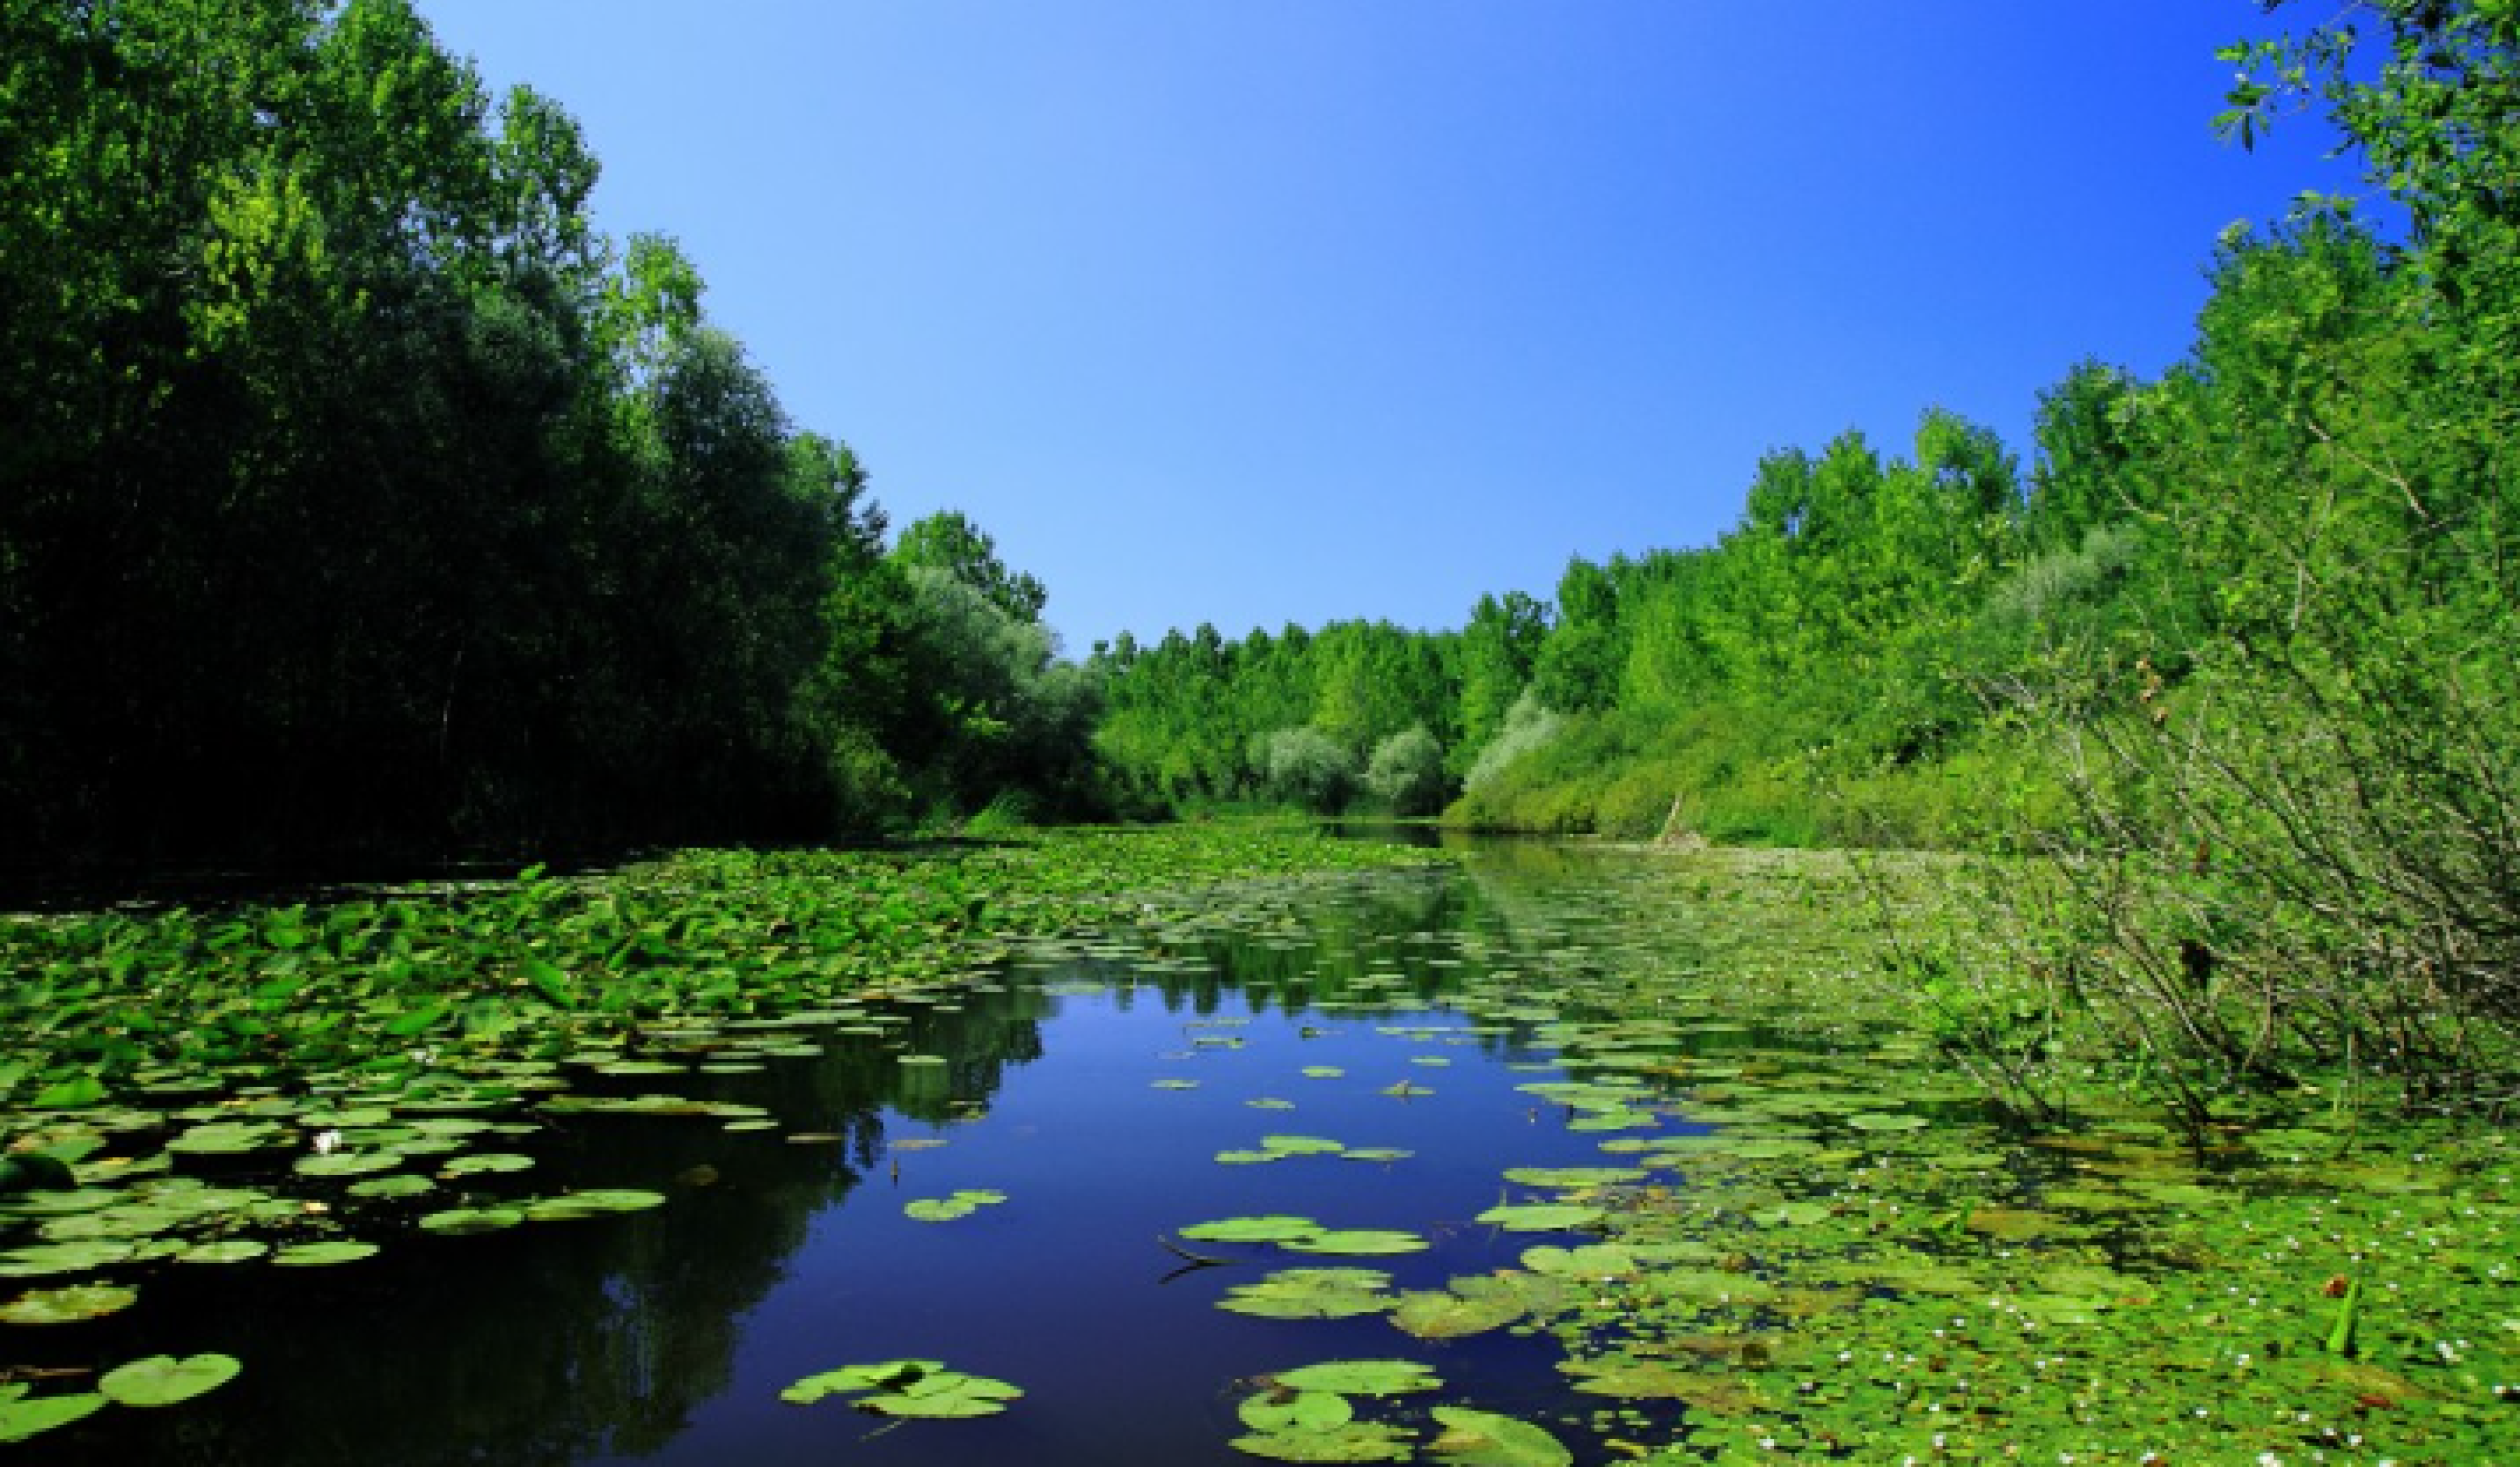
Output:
x=327 y=1143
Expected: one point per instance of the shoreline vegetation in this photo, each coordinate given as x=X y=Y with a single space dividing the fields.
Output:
x=1838 y=1248
x=442 y=525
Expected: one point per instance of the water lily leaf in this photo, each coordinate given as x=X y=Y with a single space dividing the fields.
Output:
x=1356 y=1441
x=459 y=1221
x=324 y=1255
x=1564 y=1178
x=229 y=1138
x=1483 y=1439
x=1361 y=1377
x=1540 y=1217
x=1359 y=1242
x=227 y=1251
x=943 y=1395
x=70 y=1306
x=1312 y=1294
x=1283 y=1410
x=404 y=1185
x=485 y=1164
x=849 y=1380
x=46 y=1260
x=348 y=1163
x=1879 y=1120
x=162 y=1380
x=1301 y=1146
x=23 y=1416
x=1448 y=1315
x=1271 y=1228
x=594 y=1202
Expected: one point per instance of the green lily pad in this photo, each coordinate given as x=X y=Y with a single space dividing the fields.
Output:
x=1270 y=1228
x=1283 y=1410
x=485 y=1164
x=324 y=1255
x=162 y=1380
x=387 y=1188
x=1356 y=1441
x=226 y=1251
x=70 y=1306
x=46 y=1260
x=1359 y=1242
x=594 y=1202
x=1880 y=1120
x=849 y=1380
x=1540 y=1217
x=1483 y=1439
x=1361 y=1377
x=23 y=1417
x=348 y=1163
x=457 y=1221
x=941 y=1395
x=1312 y=1294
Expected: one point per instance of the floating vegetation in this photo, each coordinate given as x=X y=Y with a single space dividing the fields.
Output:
x=907 y=1389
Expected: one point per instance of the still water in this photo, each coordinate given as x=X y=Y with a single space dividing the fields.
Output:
x=1093 y=1085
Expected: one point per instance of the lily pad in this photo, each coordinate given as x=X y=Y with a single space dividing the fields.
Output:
x=1359 y=1242
x=23 y=1417
x=1361 y=1377
x=71 y=1306
x=1312 y=1294
x=324 y=1255
x=1270 y=1228
x=456 y=1222
x=1284 y=1410
x=849 y=1380
x=162 y=1380
x=1355 y=1442
x=941 y=1394
x=1540 y=1217
x=1483 y=1439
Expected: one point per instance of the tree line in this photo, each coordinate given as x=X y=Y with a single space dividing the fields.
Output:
x=360 y=496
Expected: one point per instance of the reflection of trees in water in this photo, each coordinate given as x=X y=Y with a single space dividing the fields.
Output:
x=549 y=1343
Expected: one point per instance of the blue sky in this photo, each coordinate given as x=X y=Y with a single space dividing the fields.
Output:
x=1254 y=312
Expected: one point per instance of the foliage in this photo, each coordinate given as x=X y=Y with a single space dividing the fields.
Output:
x=1406 y=772
x=360 y=496
x=1305 y=767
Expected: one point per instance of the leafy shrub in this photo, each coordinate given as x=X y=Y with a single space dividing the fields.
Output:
x=1406 y=772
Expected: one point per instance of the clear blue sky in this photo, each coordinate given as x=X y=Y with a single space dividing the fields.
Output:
x=1265 y=311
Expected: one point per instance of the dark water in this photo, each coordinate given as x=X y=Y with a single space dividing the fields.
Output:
x=666 y=1336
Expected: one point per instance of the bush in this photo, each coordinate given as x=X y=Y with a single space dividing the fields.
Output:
x=1406 y=772
x=1306 y=768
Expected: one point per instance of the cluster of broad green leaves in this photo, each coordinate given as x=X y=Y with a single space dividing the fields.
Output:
x=1807 y=1238
x=359 y=493
x=307 y=1084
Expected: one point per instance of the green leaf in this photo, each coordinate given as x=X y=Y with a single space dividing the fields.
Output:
x=1283 y=1410
x=1540 y=1217
x=1356 y=1441
x=163 y=1380
x=849 y=1380
x=942 y=1394
x=71 y=1305
x=1266 y=1228
x=1361 y=1377
x=23 y=1416
x=1483 y=1439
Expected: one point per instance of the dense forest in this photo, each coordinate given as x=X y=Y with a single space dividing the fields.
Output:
x=359 y=497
